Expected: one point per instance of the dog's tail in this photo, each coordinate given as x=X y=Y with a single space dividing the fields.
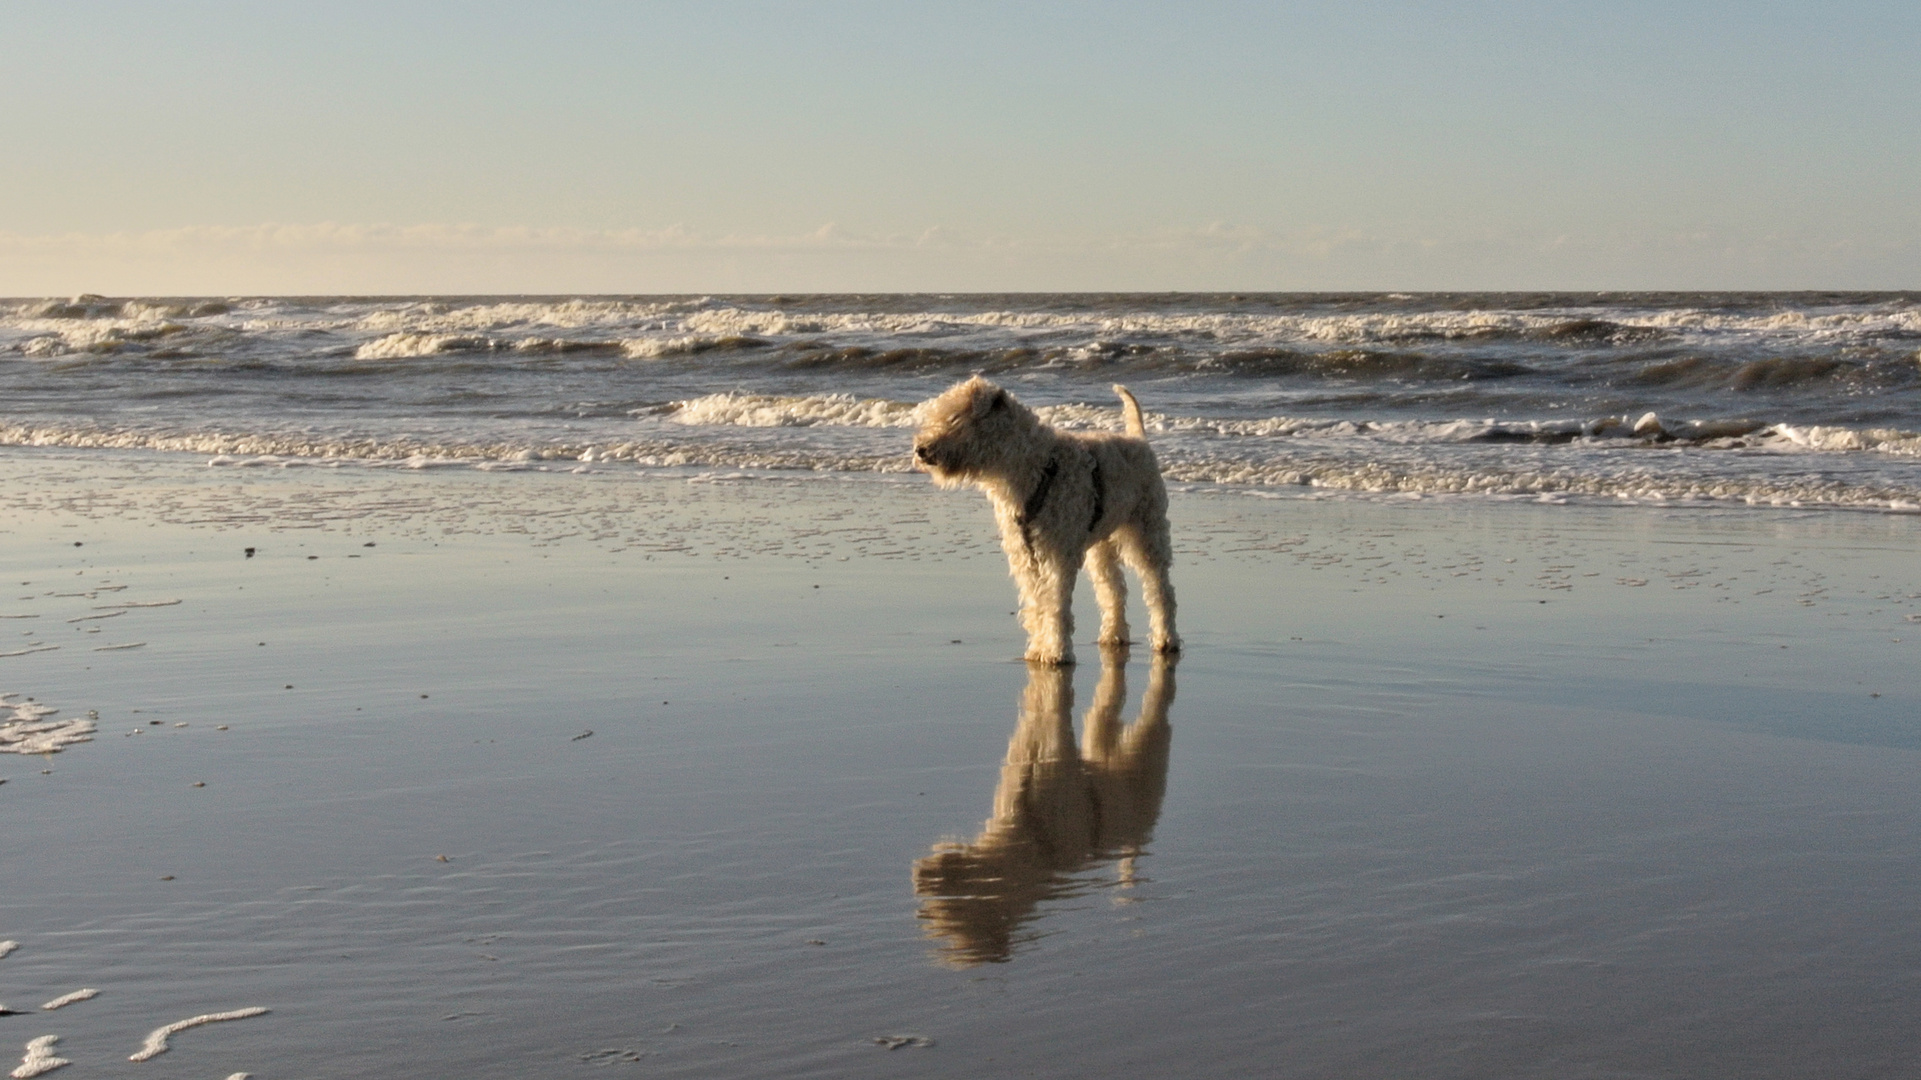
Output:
x=1132 y=410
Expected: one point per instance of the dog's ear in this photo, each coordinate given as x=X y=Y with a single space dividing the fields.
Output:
x=987 y=403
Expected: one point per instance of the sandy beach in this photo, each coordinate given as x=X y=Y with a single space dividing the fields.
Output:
x=684 y=773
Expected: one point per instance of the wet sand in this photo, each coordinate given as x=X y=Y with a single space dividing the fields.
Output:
x=1439 y=789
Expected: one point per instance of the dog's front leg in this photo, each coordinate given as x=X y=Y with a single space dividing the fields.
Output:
x=1047 y=611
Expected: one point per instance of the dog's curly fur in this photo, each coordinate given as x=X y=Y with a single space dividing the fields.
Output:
x=1061 y=498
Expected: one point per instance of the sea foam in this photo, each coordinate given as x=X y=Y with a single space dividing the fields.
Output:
x=156 y=1043
x=40 y=1058
x=25 y=728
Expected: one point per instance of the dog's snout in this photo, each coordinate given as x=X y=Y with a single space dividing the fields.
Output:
x=924 y=455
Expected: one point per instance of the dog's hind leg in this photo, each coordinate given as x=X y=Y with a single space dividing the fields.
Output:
x=1110 y=589
x=1150 y=552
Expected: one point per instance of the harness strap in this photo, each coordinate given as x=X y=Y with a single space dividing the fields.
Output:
x=1037 y=500
x=1100 y=497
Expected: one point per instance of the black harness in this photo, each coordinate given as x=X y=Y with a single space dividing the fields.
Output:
x=1038 y=499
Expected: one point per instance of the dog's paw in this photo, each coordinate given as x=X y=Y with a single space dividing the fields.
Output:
x=1167 y=646
x=1051 y=659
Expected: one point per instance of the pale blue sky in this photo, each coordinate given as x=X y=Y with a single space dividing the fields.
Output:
x=210 y=147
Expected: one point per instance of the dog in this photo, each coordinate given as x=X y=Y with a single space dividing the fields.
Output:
x=1061 y=499
x=1061 y=810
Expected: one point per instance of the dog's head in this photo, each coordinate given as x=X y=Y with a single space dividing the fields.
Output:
x=968 y=431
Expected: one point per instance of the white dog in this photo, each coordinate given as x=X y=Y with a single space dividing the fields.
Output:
x=1061 y=498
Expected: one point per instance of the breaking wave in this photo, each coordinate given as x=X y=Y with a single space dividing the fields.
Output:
x=844 y=410
x=766 y=410
x=1774 y=373
x=686 y=345
x=1388 y=457
x=415 y=343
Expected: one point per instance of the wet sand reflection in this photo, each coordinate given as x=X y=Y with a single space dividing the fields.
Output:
x=1061 y=808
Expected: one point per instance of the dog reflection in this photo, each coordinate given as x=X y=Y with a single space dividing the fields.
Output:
x=1059 y=809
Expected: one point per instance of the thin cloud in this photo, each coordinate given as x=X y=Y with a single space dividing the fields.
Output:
x=330 y=257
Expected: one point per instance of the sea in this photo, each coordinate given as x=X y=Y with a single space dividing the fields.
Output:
x=1808 y=400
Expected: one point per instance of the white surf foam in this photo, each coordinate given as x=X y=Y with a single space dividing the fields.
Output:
x=25 y=728
x=653 y=348
x=1845 y=440
x=40 y=1059
x=446 y=317
x=1242 y=329
x=156 y=1043
x=68 y=999
x=413 y=343
x=766 y=410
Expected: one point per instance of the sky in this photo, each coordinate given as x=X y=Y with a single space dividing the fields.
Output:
x=402 y=147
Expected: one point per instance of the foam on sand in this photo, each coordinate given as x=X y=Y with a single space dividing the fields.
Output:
x=156 y=1043
x=67 y=999
x=27 y=730
x=40 y=1058
x=7 y=947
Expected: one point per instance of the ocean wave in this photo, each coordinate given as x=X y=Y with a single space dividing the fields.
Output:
x=820 y=356
x=687 y=345
x=1394 y=458
x=1363 y=364
x=560 y=346
x=1337 y=328
x=846 y=410
x=1573 y=320
x=1634 y=486
x=766 y=410
x=448 y=317
x=161 y=338
x=1886 y=371
x=411 y=343
x=1592 y=330
x=1862 y=346
x=1845 y=440
x=90 y=306
x=1212 y=327
x=1879 y=321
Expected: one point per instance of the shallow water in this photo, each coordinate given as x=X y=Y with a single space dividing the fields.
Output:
x=1426 y=810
